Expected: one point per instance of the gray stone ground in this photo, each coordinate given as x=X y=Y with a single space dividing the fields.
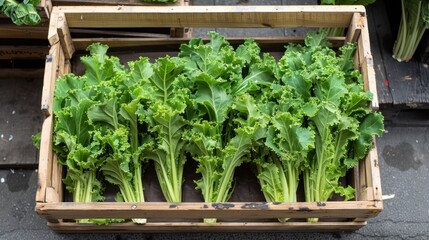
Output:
x=404 y=164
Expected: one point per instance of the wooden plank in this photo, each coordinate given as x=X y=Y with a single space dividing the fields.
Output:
x=367 y=65
x=46 y=5
x=65 y=37
x=363 y=185
x=66 y=227
x=51 y=74
x=57 y=173
x=53 y=37
x=109 y=2
x=17 y=73
x=8 y=32
x=72 y=210
x=373 y=173
x=23 y=52
x=355 y=28
x=45 y=160
x=213 y=16
x=83 y=43
x=110 y=33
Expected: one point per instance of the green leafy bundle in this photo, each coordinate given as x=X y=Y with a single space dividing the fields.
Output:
x=338 y=112
x=320 y=124
x=224 y=119
x=21 y=12
x=96 y=128
x=414 y=22
x=165 y=103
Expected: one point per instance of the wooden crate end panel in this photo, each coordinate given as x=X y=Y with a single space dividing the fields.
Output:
x=213 y=16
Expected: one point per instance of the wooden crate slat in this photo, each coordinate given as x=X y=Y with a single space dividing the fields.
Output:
x=185 y=210
x=45 y=160
x=213 y=16
x=201 y=227
x=13 y=52
x=21 y=73
x=374 y=173
x=83 y=43
x=367 y=64
x=109 y=2
x=51 y=74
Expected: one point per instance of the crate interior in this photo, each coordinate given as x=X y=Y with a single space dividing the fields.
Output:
x=246 y=185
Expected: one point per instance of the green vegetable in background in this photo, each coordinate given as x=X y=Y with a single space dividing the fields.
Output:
x=339 y=31
x=21 y=12
x=414 y=22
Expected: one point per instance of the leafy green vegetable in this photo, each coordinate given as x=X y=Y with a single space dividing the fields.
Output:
x=343 y=123
x=414 y=22
x=72 y=143
x=96 y=129
x=320 y=122
x=21 y=12
x=225 y=121
x=115 y=121
x=165 y=106
x=36 y=138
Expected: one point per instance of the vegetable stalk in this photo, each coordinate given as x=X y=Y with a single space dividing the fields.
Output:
x=414 y=22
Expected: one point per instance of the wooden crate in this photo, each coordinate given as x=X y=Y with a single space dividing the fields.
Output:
x=187 y=216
